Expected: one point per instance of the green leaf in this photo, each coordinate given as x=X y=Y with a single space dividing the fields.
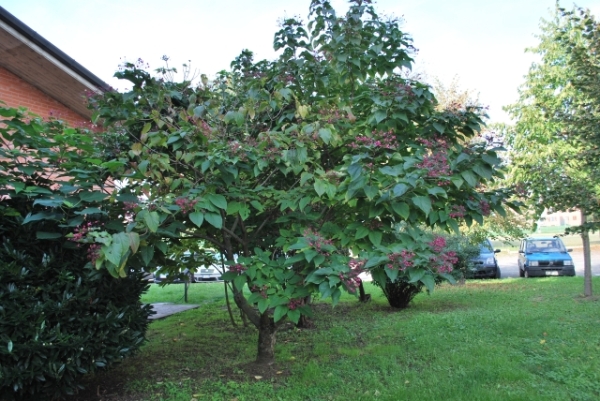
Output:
x=96 y=196
x=400 y=189
x=423 y=203
x=361 y=232
x=325 y=134
x=439 y=127
x=320 y=186
x=375 y=237
x=303 y=203
x=197 y=218
x=257 y=205
x=335 y=297
x=483 y=171
x=379 y=276
x=437 y=191
x=90 y=210
x=47 y=235
x=280 y=312
x=116 y=251
x=469 y=178
x=457 y=182
x=217 y=200
x=239 y=282
x=402 y=209
x=147 y=254
x=392 y=274
x=429 y=282
x=376 y=261
x=415 y=275
x=371 y=191
x=380 y=115
x=355 y=170
x=233 y=207
x=151 y=219
x=134 y=241
x=9 y=346
x=214 y=219
x=263 y=304
x=294 y=315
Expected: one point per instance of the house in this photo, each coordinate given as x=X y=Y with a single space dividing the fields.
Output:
x=37 y=75
x=560 y=219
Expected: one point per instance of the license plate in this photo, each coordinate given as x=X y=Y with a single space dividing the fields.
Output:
x=552 y=273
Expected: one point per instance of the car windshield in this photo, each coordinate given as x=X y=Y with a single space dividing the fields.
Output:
x=545 y=245
x=486 y=247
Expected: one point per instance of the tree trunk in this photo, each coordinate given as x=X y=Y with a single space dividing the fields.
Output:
x=587 y=259
x=361 y=291
x=266 y=339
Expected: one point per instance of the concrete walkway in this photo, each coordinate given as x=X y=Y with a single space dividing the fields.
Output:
x=164 y=309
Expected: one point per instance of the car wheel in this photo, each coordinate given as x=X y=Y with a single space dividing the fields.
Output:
x=521 y=274
x=498 y=273
x=526 y=274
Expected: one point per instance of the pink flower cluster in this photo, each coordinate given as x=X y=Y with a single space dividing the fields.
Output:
x=378 y=139
x=93 y=252
x=401 y=260
x=485 y=207
x=262 y=290
x=238 y=268
x=458 y=211
x=80 y=235
x=436 y=164
x=295 y=303
x=129 y=206
x=444 y=263
x=237 y=150
x=351 y=280
x=316 y=241
x=186 y=205
x=438 y=244
x=437 y=142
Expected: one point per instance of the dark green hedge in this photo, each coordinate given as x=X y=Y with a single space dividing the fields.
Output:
x=58 y=319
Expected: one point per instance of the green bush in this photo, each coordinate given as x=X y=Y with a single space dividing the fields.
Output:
x=59 y=317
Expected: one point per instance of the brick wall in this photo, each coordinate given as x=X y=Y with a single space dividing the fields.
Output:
x=16 y=92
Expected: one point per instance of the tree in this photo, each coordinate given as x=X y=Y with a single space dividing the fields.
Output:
x=551 y=159
x=300 y=170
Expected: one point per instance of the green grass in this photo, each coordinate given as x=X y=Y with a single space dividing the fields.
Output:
x=512 y=339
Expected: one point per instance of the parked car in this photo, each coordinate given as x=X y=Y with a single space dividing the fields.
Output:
x=548 y=256
x=485 y=264
x=206 y=266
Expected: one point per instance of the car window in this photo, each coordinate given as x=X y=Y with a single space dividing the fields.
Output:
x=486 y=247
x=545 y=245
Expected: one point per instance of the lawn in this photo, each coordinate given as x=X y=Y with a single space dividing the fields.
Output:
x=512 y=339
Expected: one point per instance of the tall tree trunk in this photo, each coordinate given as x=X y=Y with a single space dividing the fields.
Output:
x=266 y=339
x=587 y=258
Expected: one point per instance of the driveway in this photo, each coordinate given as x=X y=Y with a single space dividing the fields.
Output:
x=508 y=262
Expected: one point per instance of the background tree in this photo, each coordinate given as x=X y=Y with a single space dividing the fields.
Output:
x=551 y=159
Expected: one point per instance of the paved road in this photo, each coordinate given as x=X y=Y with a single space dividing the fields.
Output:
x=509 y=267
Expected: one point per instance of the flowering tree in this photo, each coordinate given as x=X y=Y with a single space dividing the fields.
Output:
x=303 y=171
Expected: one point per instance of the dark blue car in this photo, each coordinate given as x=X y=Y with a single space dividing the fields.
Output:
x=485 y=264
x=547 y=256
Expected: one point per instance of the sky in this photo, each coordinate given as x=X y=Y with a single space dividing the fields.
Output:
x=481 y=43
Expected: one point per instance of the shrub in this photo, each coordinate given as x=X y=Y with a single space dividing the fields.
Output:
x=419 y=259
x=60 y=317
